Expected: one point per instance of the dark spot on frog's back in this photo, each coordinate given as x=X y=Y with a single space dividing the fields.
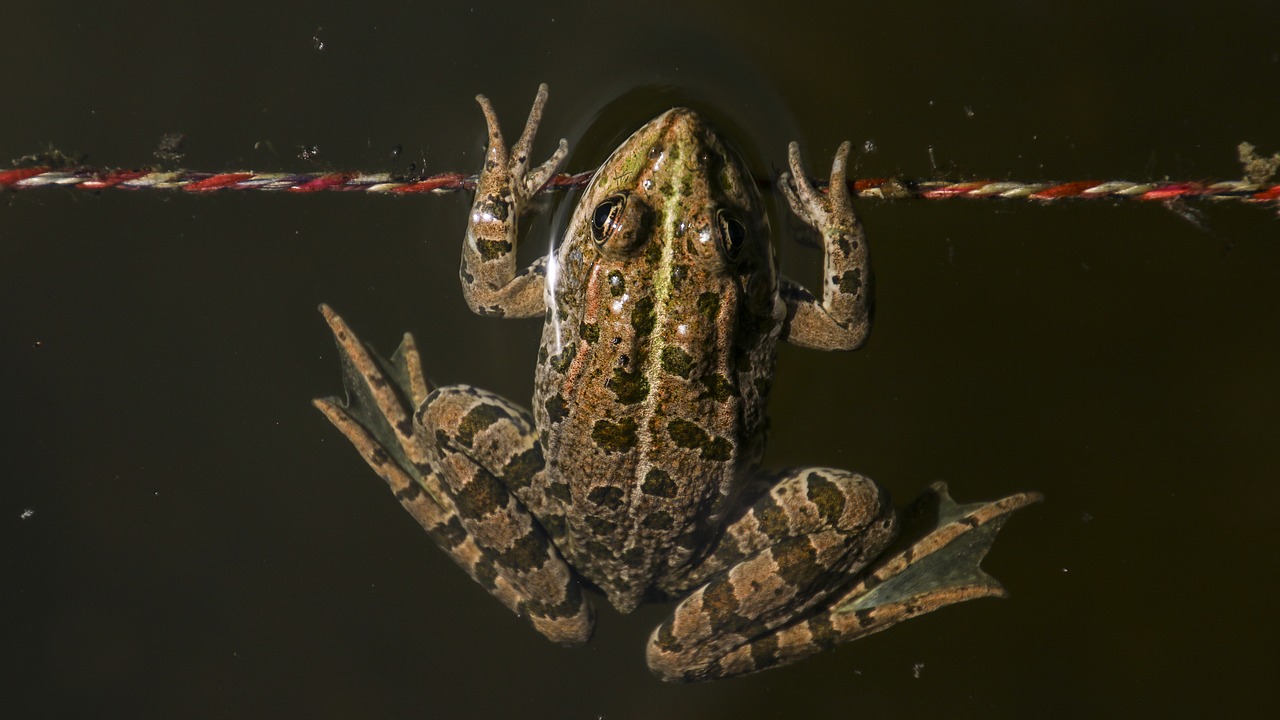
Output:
x=691 y=541
x=634 y=557
x=614 y=437
x=659 y=484
x=629 y=387
x=556 y=408
x=599 y=526
x=679 y=273
x=560 y=491
x=718 y=387
x=642 y=317
x=555 y=525
x=606 y=496
x=688 y=435
x=653 y=253
x=589 y=332
x=597 y=549
x=709 y=305
x=560 y=361
x=659 y=520
x=676 y=361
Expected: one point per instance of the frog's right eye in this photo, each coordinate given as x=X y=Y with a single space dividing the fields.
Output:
x=733 y=233
x=607 y=217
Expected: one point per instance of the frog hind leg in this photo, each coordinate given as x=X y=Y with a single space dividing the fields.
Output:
x=780 y=559
x=933 y=564
x=378 y=418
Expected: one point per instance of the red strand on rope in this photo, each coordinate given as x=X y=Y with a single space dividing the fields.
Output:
x=12 y=177
x=1064 y=190
x=446 y=181
x=953 y=190
x=324 y=182
x=111 y=179
x=1271 y=193
x=217 y=182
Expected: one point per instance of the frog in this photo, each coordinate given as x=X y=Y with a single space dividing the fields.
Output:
x=636 y=474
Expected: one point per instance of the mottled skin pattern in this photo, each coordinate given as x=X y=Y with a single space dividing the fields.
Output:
x=650 y=400
x=637 y=471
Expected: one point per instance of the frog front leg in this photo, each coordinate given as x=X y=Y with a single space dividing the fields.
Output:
x=490 y=284
x=842 y=319
x=805 y=569
x=468 y=468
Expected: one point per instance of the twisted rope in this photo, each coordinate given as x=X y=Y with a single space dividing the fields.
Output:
x=882 y=188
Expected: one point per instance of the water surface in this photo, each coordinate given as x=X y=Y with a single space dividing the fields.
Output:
x=201 y=543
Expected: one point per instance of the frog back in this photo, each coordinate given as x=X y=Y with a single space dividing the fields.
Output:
x=658 y=348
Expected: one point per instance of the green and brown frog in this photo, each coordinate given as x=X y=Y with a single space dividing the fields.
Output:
x=637 y=473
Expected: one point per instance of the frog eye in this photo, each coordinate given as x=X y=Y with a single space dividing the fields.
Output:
x=607 y=217
x=733 y=234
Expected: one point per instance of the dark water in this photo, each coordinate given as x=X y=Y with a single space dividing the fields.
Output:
x=202 y=544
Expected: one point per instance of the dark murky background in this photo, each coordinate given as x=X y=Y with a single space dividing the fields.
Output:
x=201 y=543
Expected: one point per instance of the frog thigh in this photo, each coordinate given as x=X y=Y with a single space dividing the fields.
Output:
x=376 y=417
x=795 y=544
x=487 y=454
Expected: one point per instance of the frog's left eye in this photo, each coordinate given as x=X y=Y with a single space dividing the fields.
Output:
x=607 y=217
x=733 y=233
